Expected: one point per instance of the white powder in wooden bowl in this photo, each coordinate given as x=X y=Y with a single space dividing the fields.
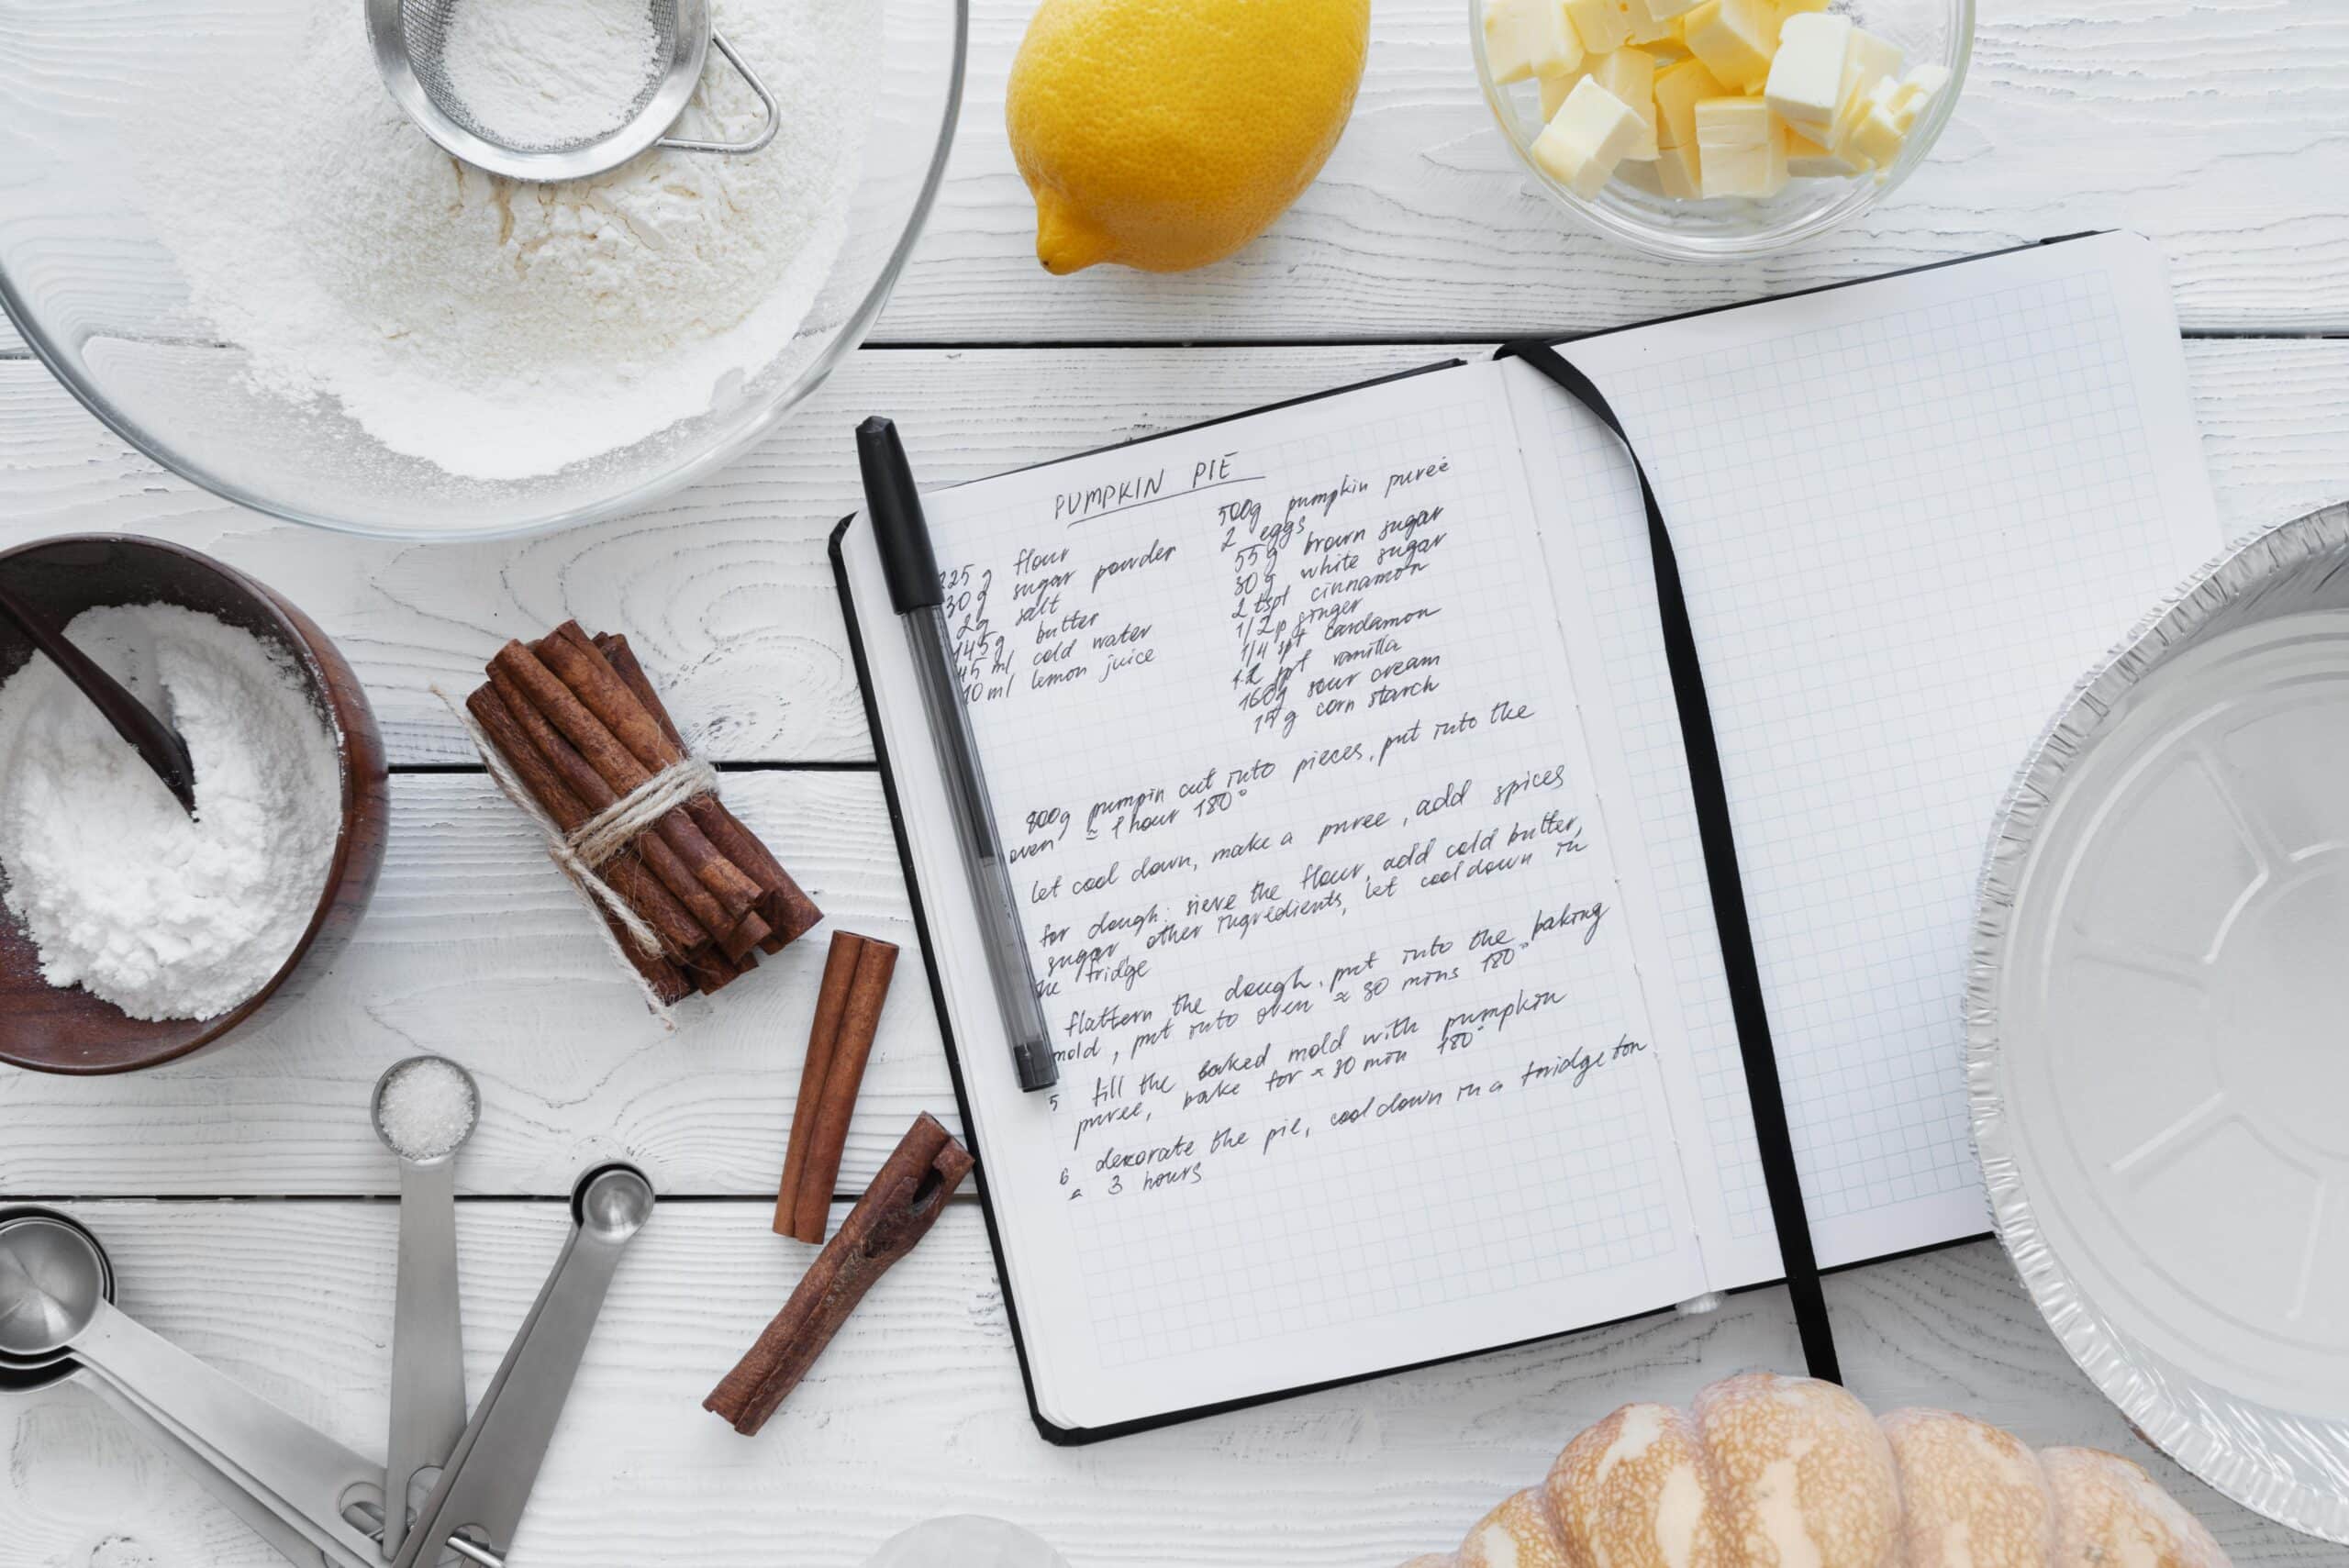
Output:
x=122 y=892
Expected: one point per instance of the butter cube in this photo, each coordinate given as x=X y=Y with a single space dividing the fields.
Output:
x=1529 y=37
x=1678 y=89
x=1787 y=8
x=1871 y=60
x=1640 y=176
x=1805 y=81
x=1918 y=91
x=1588 y=136
x=1808 y=159
x=1878 y=133
x=1602 y=24
x=1735 y=39
x=1741 y=148
x=1630 y=74
x=1647 y=27
x=1678 y=169
x=1665 y=9
x=1554 y=89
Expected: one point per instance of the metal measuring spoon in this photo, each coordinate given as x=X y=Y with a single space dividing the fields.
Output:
x=53 y=1309
x=258 y=1516
x=482 y=1493
x=428 y=1330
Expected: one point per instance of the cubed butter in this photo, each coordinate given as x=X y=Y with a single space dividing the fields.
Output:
x=1918 y=91
x=1741 y=148
x=1678 y=89
x=1639 y=176
x=1663 y=9
x=1797 y=7
x=1588 y=136
x=1554 y=89
x=1806 y=83
x=1630 y=74
x=1647 y=26
x=1602 y=24
x=1870 y=60
x=1877 y=134
x=1735 y=39
x=1808 y=159
x=1529 y=37
x=1679 y=171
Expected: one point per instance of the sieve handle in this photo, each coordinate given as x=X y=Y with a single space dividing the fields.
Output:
x=766 y=132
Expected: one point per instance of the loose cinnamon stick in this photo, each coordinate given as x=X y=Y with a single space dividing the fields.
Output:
x=823 y=1039
x=787 y=909
x=735 y=891
x=626 y=876
x=876 y=960
x=896 y=1211
x=589 y=784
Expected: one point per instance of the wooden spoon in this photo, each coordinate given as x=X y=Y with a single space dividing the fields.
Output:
x=156 y=742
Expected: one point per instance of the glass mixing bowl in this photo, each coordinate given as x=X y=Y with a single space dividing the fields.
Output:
x=101 y=299
x=1936 y=32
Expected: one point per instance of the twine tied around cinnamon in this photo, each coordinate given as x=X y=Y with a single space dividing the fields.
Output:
x=582 y=853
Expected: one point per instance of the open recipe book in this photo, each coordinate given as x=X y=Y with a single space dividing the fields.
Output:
x=1341 y=769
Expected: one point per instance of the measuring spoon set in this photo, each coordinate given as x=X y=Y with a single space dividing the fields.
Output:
x=321 y=1504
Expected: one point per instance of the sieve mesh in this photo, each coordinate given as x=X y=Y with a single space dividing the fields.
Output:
x=425 y=23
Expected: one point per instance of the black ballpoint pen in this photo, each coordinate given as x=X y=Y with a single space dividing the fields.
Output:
x=901 y=536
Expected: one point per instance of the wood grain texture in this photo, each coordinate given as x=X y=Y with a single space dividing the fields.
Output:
x=476 y=948
x=2219 y=129
x=916 y=1411
x=725 y=590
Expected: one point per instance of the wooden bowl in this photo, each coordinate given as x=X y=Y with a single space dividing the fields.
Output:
x=54 y=1030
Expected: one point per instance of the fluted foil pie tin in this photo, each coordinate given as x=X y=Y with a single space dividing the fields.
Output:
x=2157 y=1025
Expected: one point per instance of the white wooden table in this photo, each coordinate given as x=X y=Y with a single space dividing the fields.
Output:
x=245 y=1199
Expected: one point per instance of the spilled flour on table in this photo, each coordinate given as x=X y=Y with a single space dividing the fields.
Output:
x=498 y=328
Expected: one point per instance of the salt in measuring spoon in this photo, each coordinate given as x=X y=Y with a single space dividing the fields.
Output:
x=424 y=1109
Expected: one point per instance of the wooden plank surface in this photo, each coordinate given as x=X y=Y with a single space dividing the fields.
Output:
x=476 y=949
x=917 y=1411
x=726 y=590
x=2217 y=128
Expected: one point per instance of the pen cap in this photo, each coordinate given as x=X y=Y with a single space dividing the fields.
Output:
x=894 y=509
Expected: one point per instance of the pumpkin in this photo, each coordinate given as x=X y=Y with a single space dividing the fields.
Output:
x=1772 y=1472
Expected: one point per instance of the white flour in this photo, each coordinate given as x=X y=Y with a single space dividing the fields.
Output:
x=549 y=73
x=125 y=895
x=496 y=329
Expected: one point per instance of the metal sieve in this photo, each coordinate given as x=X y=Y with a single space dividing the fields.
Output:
x=410 y=39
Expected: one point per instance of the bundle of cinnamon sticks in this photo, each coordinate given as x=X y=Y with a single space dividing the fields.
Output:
x=579 y=724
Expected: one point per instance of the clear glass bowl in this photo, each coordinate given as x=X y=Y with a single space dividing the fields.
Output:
x=1931 y=32
x=103 y=302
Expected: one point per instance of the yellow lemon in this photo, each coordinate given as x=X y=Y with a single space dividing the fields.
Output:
x=1166 y=134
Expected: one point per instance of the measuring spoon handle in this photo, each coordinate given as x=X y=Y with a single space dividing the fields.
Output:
x=489 y=1478
x=308 y=1470
x=260 y=1517
x=428 y=1339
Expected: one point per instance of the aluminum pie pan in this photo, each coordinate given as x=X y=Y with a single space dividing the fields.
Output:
x=2157 y=1101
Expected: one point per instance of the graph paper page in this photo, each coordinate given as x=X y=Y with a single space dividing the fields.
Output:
x=1907 y=515
x=1355 y=1069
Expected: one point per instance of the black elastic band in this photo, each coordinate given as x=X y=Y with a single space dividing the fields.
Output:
x=1775 y=1142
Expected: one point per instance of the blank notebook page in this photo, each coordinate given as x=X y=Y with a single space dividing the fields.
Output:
x=1355 y=1069
x=1907 y=515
